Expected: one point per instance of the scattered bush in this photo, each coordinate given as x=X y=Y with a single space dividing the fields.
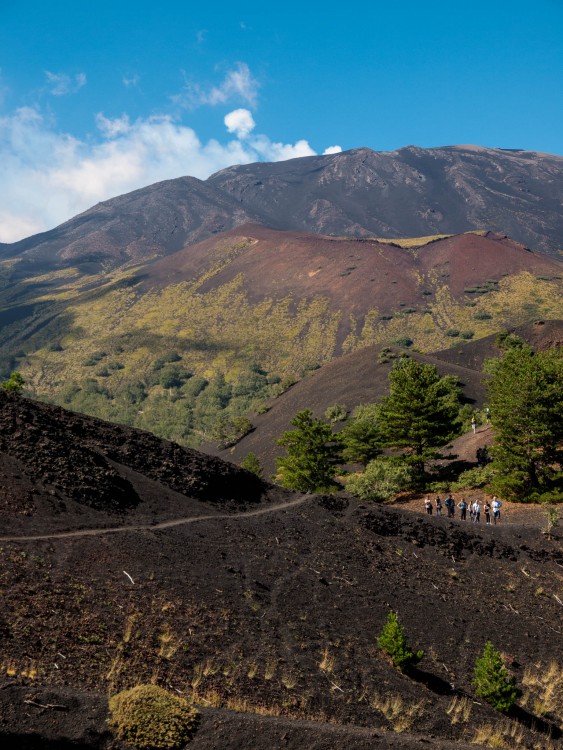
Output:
x=394 y=642
x=150 y=718
x=380 y=481
x=467 y=335
x=492 y=681
x=482 y=316
x=336 y=413
x=14 y=384
x=251 y=463
x=473 y=479
x=403 y=341
x=453 y=332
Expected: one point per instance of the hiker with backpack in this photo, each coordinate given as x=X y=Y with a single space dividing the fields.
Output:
x=438 y=507
x=428 y=506
x=476 y=512
x=450 y=506
x=462 y=505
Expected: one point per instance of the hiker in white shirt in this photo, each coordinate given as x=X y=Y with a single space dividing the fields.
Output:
x=495 y=505
x=476 y=512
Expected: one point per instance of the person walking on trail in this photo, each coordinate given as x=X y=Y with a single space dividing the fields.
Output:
x=495 y=505
x=438 y=507
x=476 y=512
x=474 y=425
x=450 y=505
x=462 y=505
x=428 y=506
x=487 y=509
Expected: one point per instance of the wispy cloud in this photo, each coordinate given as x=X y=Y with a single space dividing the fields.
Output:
x=61 y=84
x=238 y=84
x=49 y=176
x=131 y=81
x=332 y=150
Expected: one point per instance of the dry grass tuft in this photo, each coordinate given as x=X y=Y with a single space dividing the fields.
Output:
x=488 y=736
x=459 y=710
x=544 y=690
x=400 y=714
x=328 y=661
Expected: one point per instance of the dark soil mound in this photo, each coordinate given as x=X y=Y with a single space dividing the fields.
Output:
x=273 y=611
x=62 y=468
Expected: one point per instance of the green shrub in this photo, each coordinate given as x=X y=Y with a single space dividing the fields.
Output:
x=474 y=479
x=336 y=413
x=482 y=316
x=14 y=384
x=453 y=332
x=394 y=642
x=380 y=481
x=467 y=335
x=492 y=681
x=150 y=718
x=403 y=341
x=252 y=463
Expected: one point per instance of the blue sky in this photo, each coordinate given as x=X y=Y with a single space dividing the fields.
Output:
x=97 y=99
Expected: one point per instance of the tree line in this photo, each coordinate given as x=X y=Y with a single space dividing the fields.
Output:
x=397 y=439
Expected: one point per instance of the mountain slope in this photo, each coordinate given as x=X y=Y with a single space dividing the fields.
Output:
x=151 y=345
x=406 y=193
x=363 y=377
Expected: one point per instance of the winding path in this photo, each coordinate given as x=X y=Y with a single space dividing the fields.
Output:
x=156 y=526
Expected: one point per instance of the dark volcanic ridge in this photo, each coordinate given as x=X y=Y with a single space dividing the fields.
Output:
x=62 y=470
x=406 y=193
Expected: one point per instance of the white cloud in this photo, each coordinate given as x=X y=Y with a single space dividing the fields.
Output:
x=238 y=83
x=333 y=150
x=240 y=122
x=61 y=84
x=49 y=176
x=270 y=151
x=112 y=128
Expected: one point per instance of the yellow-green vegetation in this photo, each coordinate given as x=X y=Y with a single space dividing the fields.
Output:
x=513 y=301
x=151 y=718
x=421 y=241
x=101 y=344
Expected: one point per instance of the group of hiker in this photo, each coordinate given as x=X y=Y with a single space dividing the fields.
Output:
x=490 y=510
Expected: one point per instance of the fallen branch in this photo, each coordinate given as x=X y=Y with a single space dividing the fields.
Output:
x=31 y=702
x=129 y=577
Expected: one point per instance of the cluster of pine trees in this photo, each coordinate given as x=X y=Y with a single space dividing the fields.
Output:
x=397 y=439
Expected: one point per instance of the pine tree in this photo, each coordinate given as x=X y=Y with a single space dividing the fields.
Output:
x=252 y=463
x=394 y=642
x=312 y=455
x=526 y=401
x=492 y=681
x=421 y=412
x=361 y=437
